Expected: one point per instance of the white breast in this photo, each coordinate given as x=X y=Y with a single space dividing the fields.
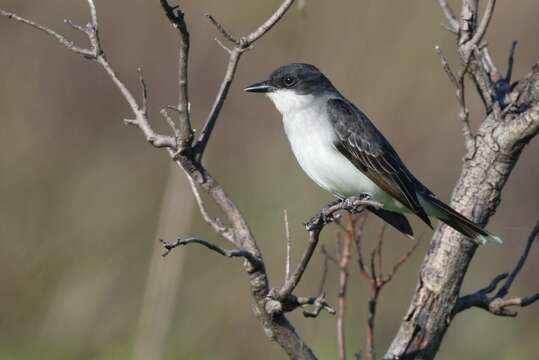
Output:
x=311 y=137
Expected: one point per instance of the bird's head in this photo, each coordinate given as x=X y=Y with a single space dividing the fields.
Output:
x=293 y=86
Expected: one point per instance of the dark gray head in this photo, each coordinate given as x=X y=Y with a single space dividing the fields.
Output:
x=302 y=79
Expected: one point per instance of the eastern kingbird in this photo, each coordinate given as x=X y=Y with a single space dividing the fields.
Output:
x=343 y=152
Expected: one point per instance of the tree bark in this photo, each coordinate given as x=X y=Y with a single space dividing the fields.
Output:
x=487 y=166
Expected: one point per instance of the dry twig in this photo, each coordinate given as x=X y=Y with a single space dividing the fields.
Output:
x=375 y=276
x=497 y=304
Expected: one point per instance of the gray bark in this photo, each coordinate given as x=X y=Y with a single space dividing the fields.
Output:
x=487 y=167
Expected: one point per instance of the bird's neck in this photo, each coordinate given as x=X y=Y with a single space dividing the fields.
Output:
x=288 y=102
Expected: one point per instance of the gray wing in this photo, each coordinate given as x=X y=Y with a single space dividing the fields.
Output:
x=361 y=142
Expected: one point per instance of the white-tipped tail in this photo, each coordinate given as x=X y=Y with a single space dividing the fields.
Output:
x=490 y=238
x=451 y=217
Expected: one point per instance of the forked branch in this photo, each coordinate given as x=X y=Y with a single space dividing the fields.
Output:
x=497 y=304
x=373 y=273
x=240 y=45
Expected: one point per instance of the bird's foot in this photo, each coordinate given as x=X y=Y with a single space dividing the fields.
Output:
x=356 y=204
x=327 y=215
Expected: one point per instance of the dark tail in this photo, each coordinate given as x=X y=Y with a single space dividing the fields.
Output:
x=447 y=215
x=398 y=221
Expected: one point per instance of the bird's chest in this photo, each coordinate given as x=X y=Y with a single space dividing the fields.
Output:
x=312 y=139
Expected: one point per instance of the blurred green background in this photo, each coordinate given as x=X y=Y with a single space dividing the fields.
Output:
x=83 y=199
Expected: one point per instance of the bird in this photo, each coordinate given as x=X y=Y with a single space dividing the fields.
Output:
x=343 y=152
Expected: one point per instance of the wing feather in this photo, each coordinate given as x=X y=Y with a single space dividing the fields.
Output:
x=361 y=142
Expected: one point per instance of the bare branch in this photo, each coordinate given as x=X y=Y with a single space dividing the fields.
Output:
x=401 y=261
x=144 y=88
x=325 y=271
x=255 y=261
x=61 y=39
x=314 y=227
x=288 y=246
x=77 y=27
x=357 y=236
x=376 y=279
x=172 y=125
x=458 y=83
x=293 y=302
x=378 y=249
x=520 y=264
x=97 y=54
x=222 y=30
x=225 y=48
x=268 y=24
x=183 y=154
x=468 y=21
x=483 y=25
x=215 y=224
x=343 y=264
x=93 y=15
x=319 y=303
x=510 y=62
x=240 y=47
x=176 y=18
x=446 y=67
x=453 y=24
x=496 y=304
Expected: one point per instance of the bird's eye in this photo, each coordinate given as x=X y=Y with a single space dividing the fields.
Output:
x=289 y=81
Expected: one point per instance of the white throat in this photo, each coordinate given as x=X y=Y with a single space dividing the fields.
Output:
x=287 y=101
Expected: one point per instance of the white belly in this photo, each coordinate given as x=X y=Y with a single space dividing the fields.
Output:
x=311 y=138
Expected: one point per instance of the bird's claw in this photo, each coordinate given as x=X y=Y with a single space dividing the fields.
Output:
x=355 y=204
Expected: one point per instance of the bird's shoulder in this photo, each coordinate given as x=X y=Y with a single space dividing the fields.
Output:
x=354 y=128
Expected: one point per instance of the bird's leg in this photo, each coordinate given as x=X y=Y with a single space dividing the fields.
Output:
x=324 y=216
x=355 y=204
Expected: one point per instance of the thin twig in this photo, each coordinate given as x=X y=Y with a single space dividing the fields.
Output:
x=325 y=271
x=241 y=45
x=60 y=38
x=96 y=53
x=453 y=24
x=358 y=240
x=144 y=89
x=288 y=246
x=520 y=264
x=378 y=249
x=291 y=302
x=467 y=23
x=510 y=62
x=222 y=30
x=172 y=125
x=315 y=225
x=255 y=261
x=215 y=224
x=343 y=265
x=401 y=261
x=319 y=303
x=496 y=304
x=458 y=83
x=176 y=18
x=483 y=25
x=376 y=279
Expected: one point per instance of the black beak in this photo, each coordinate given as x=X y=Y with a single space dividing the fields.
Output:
x=261 y=87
